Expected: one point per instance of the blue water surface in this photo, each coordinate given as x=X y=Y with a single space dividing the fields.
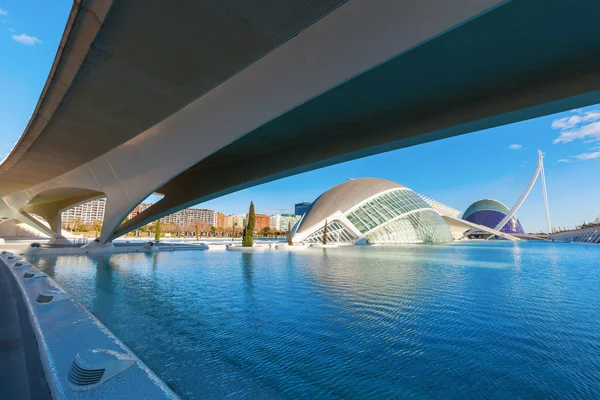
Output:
x=474 y=320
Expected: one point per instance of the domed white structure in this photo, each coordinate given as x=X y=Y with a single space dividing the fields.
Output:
x=372 y=210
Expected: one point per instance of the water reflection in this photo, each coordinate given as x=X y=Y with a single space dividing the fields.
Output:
x=479 y=321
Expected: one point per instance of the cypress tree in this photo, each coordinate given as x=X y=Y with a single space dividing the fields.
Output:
x=325 y=233
x=247 y=240
x=157 y=233
x=289 y=235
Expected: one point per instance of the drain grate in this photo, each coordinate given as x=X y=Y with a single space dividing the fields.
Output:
x=44 y=299
x=94 y=367
x=84 y=377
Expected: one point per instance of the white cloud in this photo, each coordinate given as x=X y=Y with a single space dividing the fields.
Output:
x=3 y=12
x=588 y=156
x=11 y=30
x=584 y=125
x=588 y=131
x=582 y=157
x=515 y=147
x=574 y=120
x=25 y=39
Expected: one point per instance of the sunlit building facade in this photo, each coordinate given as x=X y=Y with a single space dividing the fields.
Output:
x=87 y=212
x=372 y=210
x=280 y=222
x=490 y=213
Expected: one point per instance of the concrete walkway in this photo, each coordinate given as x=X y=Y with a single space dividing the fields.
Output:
x=21 y=373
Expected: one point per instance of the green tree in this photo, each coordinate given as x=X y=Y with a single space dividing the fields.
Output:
x=266 y=231
x=233 y=231
x=247 y=240
x=157 y=232
x=325 y=233
x=289 y=234
x=97 y=226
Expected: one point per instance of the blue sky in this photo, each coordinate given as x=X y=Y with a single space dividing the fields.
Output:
x=495 y=163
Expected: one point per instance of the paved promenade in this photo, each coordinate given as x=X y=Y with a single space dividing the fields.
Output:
x=21 y=373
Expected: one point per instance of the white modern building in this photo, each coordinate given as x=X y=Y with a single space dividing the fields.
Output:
x=86 y=212
x=588 y=232
x=280 y=222
x=372 y=210
x=189 y=216
x=378 y=211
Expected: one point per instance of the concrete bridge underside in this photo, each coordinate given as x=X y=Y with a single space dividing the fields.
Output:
x=196 y=100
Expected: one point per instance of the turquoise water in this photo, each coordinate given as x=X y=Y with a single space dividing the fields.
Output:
x=477 y=320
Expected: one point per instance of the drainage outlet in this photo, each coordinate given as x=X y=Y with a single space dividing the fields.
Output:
x=51 y=296
x=21 y=264
x=92 y=368
x=34 y=275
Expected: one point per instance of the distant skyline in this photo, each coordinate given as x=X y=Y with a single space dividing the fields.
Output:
x=496 y=163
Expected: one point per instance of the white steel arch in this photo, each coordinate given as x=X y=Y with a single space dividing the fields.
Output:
x=539 y=169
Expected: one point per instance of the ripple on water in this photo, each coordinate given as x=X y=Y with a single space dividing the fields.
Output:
x=484 y=320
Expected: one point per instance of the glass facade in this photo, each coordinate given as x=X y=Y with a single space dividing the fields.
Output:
x=375 y=219
x=424 y=226
x=336 y=233
x=383 y=208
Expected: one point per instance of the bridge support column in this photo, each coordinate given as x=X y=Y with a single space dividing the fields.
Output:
x=117 y=209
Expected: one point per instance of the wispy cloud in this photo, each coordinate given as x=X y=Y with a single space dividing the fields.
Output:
x=588 y=156
x=515 y=146
x=581 y=126
x=581 y=157
x=11 y=30
x=577 y=119
x=25 y=39
x=3 y=12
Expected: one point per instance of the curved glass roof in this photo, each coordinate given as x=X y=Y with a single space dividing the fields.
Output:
x=343 y=197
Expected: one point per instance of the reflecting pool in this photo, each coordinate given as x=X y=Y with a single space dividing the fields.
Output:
x=473 y=320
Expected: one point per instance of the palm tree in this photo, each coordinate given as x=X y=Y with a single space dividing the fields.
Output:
x=289 y=235
x=325 y=233
x=97 y=226
x=157 y=233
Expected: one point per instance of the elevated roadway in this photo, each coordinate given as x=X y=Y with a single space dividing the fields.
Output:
x=194 y=100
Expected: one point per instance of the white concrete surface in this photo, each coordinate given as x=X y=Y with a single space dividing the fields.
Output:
x=348 y=41
x=64 y=328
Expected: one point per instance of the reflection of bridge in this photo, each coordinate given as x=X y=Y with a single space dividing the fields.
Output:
x=199 y=99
